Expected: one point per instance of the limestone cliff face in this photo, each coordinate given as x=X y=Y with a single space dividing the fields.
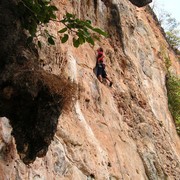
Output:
x=123 y=132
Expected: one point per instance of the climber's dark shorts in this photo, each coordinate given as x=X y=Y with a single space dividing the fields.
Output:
x=101 y=71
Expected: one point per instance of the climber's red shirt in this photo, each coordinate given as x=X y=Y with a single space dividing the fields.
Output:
x=100 y=57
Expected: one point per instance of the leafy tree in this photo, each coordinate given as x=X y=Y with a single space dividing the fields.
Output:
x=33 y=13
x=173 y=38
x=170 y=24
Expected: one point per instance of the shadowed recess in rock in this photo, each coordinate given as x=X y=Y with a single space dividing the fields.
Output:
x=116 y=21
x=140 y=3
x=33 y=105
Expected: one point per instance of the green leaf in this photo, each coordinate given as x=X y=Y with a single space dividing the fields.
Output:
x=65 y=38
x=51 y=41
x=32 y=28
x=63 y=20
x=54 y=8
x=96 y=37
x=85 y=32
x=81 y=38
x=68 y=15
x=88 y=21
x=62 y=30
x=39 y=44
x=100 y=31
x=29 y=40
x=53 y=16
x=76 y=43
x=90 y=40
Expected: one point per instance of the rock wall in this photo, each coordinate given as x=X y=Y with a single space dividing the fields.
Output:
x=123 y=132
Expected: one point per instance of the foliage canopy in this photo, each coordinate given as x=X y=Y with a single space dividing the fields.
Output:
x=33 y=13
x=170 y=25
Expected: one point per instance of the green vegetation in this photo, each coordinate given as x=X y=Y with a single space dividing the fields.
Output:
x=80 y=29
x=173 y=38
x=165 y=56
x=170 y=25
x=33 y=13
x=173 y=90
x=172 y=31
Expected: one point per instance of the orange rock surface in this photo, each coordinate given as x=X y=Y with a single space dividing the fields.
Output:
x=121 y=132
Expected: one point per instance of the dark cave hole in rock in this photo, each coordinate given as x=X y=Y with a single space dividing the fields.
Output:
x=33 y=101
x=33 y=119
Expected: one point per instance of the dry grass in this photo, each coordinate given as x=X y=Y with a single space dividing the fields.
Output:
x=57 y=86
x=62 y=87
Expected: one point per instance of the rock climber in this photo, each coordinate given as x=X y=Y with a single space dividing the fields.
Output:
x=101 y=72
